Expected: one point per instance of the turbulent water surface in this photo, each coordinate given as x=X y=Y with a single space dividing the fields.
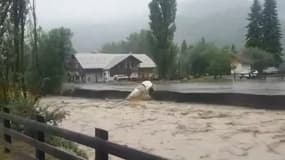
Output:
x=180 y=131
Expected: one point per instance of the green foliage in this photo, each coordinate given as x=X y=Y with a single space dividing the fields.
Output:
x=184 y=47
x=162 y=24
x=264 y=29
x=259 y=59
x=220 y=63
x=207 y=59
x=199 y=59
x=16 y=56
x=254 y=33
x=28 y=107
x=272 y=31
x=135 y=42
x=67 y=145
x=182 y=63
x=53 y=48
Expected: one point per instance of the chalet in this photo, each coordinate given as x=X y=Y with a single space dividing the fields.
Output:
x=240 y=65
x=102 y=67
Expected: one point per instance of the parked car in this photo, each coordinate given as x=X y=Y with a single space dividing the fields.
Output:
x=250 y=75
x=120 y=77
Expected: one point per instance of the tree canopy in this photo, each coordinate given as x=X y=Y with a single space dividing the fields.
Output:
x=135 y=42
x=272 y=31
x=254 y=35
x=206 y=59
x=162 y=24
x=54 y=47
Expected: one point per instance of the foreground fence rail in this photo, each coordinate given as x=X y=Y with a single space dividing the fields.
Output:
x=100 y=143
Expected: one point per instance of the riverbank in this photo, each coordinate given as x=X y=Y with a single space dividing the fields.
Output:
x=180 y=131
x=255 y=87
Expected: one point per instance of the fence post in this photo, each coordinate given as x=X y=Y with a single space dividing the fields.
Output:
x=40 y=155
x=100 y=155
x=7 y=124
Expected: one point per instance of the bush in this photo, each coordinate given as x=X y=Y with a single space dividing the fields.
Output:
x=207 y=59
x=29 y=107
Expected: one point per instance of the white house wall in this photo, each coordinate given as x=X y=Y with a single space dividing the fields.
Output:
x=241 y=69
x=95 y=77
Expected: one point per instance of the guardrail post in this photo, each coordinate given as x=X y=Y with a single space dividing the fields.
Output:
x=100 y=133
x=7 y=124
x=40 y=155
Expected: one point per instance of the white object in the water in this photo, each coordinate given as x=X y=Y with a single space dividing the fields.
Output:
x=141 y=92
x=147 y=84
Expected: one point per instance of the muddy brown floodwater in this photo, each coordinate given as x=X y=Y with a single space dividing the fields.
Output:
x=180 y=131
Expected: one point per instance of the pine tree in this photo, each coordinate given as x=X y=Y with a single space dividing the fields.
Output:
x=272 y=31
x=162 y=24
x=254 y=33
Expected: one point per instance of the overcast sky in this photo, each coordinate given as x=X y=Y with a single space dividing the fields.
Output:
x=91 y=11
x=96 y=22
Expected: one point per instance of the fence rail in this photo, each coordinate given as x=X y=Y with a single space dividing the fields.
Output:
x=100 y=143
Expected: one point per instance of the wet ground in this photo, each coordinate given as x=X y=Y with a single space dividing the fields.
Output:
x=180 y=131
x=260 y=87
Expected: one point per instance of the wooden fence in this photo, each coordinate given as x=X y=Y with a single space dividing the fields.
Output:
x=103 y=147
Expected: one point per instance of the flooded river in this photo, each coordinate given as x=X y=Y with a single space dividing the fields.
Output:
x=180 y=131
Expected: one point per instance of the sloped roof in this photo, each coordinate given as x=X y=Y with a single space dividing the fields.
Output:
x=147 y=62
x=240 y=58
x=116 y=60
x=107 y=61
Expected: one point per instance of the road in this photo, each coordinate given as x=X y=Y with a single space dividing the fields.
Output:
x=264 y=87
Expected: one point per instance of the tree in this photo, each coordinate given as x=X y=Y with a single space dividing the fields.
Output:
x=35 y=59
x=184 y=47
x=183 y=60
x=13 y=20
x=135 y=42
x=259 y=59
x=199 y=58
x=207 y=59
x=254 y=33
x=272 y=31
x=54 y=47
x=162 y=24
x=220 y=63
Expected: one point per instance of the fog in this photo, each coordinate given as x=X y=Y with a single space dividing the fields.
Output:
x=95 y=22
